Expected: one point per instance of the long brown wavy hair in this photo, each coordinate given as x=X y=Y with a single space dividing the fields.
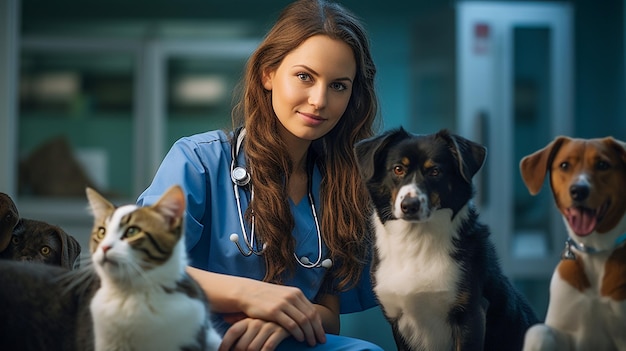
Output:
x=344 y=210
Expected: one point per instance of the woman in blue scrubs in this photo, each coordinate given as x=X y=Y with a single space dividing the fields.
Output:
x=276 y=221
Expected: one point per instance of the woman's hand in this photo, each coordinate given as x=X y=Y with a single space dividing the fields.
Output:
x=253 y=334
x=288 y=307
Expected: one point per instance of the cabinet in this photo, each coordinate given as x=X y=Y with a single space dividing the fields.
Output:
x=112 y=107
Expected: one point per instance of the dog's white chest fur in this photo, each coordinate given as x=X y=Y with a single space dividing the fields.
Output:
x=416 y=278
x=594 y=321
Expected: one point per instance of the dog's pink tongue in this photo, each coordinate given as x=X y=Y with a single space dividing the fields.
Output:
x=581 y=220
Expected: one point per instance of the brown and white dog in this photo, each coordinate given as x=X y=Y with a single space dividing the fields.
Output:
x=587 y=309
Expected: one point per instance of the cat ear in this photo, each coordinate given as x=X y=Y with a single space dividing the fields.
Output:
x=98 y=204
x=171 y=204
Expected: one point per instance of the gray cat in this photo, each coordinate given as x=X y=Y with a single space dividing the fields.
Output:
x=37 y=312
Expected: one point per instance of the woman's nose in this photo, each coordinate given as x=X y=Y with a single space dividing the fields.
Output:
x=317 y=96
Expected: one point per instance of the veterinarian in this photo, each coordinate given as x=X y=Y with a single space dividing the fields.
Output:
x=276 y=224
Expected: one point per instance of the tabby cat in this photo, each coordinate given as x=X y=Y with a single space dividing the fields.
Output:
x=145 y=301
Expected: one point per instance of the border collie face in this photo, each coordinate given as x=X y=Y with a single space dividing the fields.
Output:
x=410 y=176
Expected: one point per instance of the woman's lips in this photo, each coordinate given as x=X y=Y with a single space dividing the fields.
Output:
x=312 y=119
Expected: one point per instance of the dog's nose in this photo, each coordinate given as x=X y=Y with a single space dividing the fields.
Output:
x=410 y=205
x=579 y=192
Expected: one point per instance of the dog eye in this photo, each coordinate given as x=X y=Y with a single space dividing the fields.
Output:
x=45 y=250
x=564 y=166
x=433 y=172
x=602 y=165
x=399 y=170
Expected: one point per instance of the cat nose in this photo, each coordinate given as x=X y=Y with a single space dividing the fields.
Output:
x=105 y=248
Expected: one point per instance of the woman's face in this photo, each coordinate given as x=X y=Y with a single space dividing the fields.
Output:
x=312 y=86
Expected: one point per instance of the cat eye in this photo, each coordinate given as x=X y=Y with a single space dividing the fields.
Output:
x=15 y=240
x=100 y=233
x=131 y=231
x=45 y=250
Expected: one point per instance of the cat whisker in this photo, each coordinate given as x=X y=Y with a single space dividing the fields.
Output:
x=129 y=270
x=83 y=261
x=77 y=280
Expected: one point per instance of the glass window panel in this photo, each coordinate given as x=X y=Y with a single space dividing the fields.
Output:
x=200 y=94
x=75 y=123
x=532 y=116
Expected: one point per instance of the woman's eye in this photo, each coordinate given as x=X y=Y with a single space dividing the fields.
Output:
x=399 y=170
x=304 y=76
x=131 y=231
x=338 y=86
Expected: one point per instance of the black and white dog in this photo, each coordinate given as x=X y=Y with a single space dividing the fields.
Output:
x=435 y=271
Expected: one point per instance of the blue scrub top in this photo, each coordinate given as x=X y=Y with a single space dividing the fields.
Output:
x=201 y=165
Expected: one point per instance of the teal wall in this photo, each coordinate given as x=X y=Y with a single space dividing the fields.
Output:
x=600 y=93
x=391 y=53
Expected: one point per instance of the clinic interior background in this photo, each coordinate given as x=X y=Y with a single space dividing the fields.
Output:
x=113 y=84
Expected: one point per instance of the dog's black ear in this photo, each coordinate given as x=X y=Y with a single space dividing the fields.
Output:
x=368 y=151
x=469 y=154
x=70 y=249
x=9 y=217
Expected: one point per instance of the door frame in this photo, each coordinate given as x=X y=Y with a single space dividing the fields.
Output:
x=485 y=109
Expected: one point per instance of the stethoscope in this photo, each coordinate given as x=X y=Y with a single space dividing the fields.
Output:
x=241 y=178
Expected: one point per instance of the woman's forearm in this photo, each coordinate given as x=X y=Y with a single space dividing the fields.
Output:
x=223 y=291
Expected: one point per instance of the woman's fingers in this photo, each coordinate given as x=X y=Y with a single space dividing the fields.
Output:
x=288 y=319
x=253 y=334
x=288 y=307
x=318 y=329
x=302 y=320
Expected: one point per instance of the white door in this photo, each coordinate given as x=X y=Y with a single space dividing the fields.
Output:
x=514 y=95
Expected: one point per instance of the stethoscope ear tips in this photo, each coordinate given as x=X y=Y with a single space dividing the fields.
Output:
x=234 y=237
x=327 y=263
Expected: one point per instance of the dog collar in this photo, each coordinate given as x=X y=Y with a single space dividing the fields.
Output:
x=569 y=243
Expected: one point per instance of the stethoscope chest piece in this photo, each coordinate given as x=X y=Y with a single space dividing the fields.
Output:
x=240 y=176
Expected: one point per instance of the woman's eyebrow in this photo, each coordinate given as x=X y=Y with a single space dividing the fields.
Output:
x=317 y=74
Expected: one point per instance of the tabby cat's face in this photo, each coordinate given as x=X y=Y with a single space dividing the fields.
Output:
x=130 y=238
